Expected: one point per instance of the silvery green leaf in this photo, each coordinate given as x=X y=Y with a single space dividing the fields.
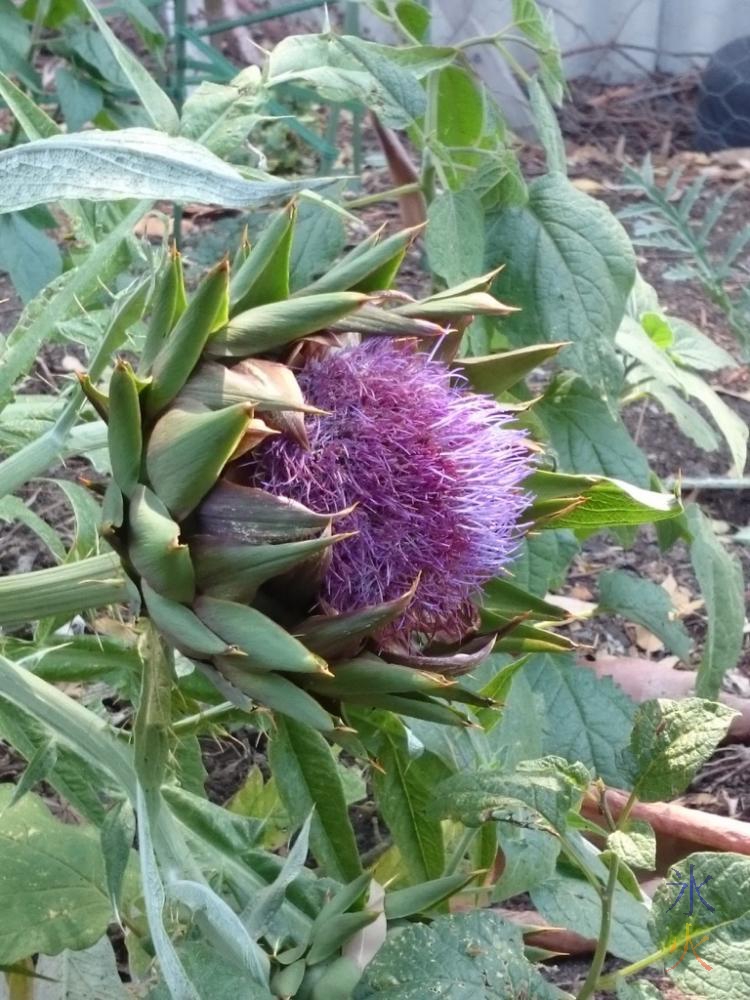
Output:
x=130 y=163
x=722 y=584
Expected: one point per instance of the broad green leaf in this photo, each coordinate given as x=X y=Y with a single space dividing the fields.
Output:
x=470 y=956
x=460 y=110
x=156 y=104
x=694 y=349
x=80 y=100
x=516 y=736
x=129 y=163
x=28 y=255
x=219 y=116
x=567 y=901
x=403 y=98
x=413 y=17
x=548 y=128
x=345 y=68
x=455 y=236
x=635 y=845
x=404 y=785
x=569 y=265
x=670 y=741
x=542 y=561
x=646 y=603
x=52 y=892
x=89 y=974
x=537 y=794
x=307 y=778
x=529 y=859
x=226 y=830
x=581 y=717
x=586 y=437
x=722 y=584
x=15 y=40
x=716 y=932
x=688 y=419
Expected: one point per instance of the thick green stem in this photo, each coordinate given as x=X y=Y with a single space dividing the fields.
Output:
x=215 y=714
x=70 y=588
x=608 y=903
x=609 y=982
x=626 y=811
x=390 y=195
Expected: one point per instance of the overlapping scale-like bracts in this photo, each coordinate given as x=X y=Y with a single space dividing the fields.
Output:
x=236 y=572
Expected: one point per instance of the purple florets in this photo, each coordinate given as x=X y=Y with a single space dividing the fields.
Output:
x=432 y=468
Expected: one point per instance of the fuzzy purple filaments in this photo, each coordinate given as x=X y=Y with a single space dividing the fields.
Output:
x=433 y=470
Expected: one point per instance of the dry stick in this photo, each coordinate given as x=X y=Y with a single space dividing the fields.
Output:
x=703 y=829
x=644 y=679
x=539 y=934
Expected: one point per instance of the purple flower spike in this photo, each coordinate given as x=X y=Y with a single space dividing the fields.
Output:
x=433 y=470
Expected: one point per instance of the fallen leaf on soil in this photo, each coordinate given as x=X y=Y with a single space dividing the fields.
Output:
x=646 y=679
x=575 y=607
x=682 y=599
x=588 y=185
x=646 y=640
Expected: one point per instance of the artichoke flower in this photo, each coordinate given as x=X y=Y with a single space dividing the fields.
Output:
x=306 y=490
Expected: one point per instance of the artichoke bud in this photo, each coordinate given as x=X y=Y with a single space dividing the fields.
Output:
x=295 y=483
